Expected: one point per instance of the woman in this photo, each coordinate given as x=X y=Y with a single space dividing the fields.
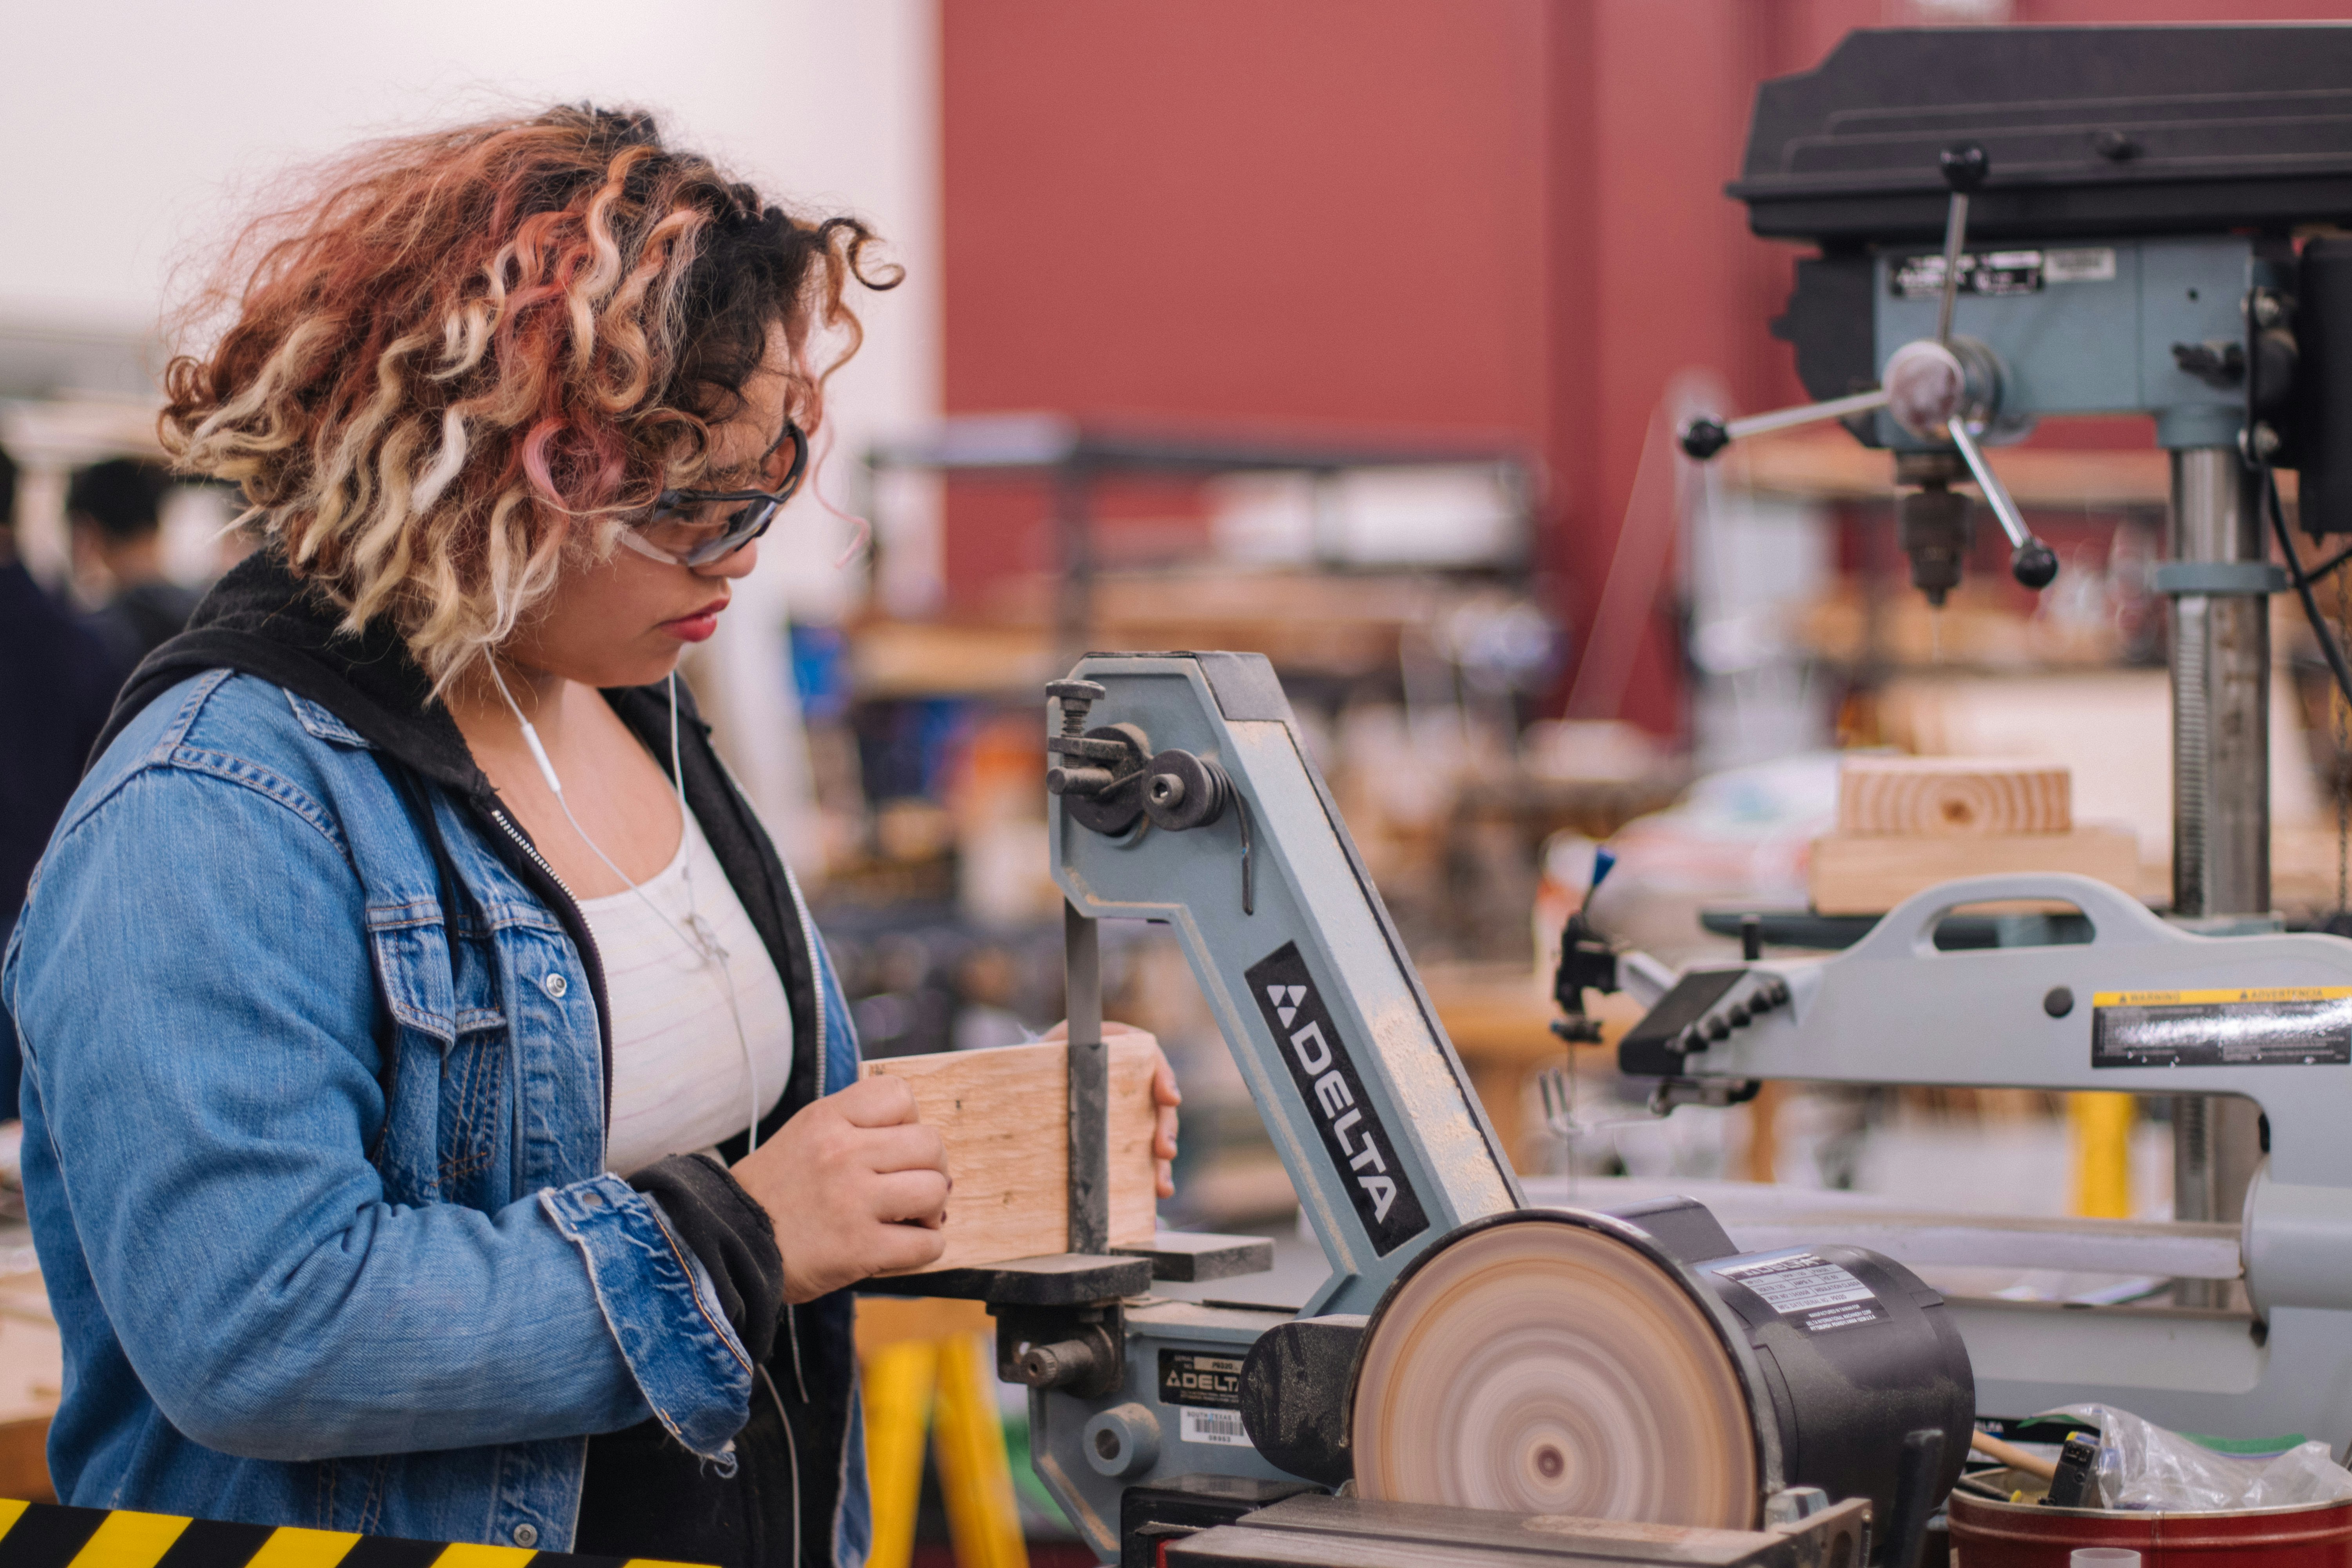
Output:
x=441 y=1117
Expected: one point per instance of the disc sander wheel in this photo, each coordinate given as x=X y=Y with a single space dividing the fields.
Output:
x=1544 y=1367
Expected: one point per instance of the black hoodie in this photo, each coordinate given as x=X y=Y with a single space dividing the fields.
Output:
x=645 y=1495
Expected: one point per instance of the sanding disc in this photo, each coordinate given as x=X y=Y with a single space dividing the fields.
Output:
x=1545 y=1367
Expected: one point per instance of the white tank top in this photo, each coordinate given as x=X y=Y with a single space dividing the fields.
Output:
x=680 y=1083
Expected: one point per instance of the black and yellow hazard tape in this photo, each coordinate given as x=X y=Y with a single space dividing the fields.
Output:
x=47 y=1535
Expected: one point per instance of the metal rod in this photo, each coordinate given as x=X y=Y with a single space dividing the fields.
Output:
x=1073 y=543
x=1956 y=233
x=1090 y=1097
x=1996 y=494
x=1784 y=418
x=2220 y=798
x=2220 y=687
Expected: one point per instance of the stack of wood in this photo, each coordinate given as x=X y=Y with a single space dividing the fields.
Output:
x=1905 y=824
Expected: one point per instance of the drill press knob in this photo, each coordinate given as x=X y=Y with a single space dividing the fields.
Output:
x=1965 y=167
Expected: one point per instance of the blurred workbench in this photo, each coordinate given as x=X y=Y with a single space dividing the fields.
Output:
x=32 y=1371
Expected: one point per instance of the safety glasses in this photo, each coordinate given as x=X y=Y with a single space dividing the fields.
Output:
x=694 y=528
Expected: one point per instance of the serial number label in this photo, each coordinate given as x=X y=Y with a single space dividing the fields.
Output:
x=1817 y=1294
x=1999 y=272
x=2297 y=1026
x=1220 y=1427
x=1190 y=1377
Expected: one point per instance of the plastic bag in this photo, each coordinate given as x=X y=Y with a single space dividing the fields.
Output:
x=2144 y=1467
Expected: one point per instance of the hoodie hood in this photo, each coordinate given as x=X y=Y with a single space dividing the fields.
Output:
x=263 y=620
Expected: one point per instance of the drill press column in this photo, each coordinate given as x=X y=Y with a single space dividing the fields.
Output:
x=2221 y=696
x=2221 y=792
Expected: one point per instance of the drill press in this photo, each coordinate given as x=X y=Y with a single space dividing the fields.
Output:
x=2120 y=210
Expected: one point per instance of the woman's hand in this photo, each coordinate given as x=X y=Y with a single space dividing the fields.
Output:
x=1164 y=1094
x=855 y=1186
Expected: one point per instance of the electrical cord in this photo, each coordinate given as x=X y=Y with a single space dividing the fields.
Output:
x=704 y=942
x=2329 y=648
x=792 y=1460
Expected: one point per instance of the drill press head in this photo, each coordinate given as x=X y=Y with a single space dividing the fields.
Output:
x=2102 y=252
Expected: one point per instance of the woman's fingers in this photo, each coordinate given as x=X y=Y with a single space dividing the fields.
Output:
x=1167 y=1097
x=880 y=1101
x=920 y=1196
x=910 y=1146
x=894 y=1249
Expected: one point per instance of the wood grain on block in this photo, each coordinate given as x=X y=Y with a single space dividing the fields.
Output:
x=1865 y=876
x=1005 y=1116
x=1935 y=797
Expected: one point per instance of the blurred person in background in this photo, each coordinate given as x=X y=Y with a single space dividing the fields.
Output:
x=56 y=681
x=116 y=512
x=442 y=1119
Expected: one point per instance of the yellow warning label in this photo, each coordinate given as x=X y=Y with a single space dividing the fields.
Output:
x=2199 y=998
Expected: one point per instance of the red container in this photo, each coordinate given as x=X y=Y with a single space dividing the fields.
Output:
x=1991 y=1534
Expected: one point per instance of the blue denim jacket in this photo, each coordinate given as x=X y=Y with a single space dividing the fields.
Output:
x=321 y=1202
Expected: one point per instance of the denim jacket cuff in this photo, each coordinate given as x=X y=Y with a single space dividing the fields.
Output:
x=687 y=1362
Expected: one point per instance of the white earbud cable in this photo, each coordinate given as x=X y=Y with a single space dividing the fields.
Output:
x=704 y=942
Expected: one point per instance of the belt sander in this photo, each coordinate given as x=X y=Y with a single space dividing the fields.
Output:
x=1502 y=1381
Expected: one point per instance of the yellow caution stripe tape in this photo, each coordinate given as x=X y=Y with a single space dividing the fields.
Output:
x=2200 y=998
x=47 y=1535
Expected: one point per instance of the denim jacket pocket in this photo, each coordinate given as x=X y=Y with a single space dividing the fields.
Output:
x=451 y=1055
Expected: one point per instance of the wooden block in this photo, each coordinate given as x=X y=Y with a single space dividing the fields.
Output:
x=1935 y=797
x=1004 y=1113
x=1870 y=876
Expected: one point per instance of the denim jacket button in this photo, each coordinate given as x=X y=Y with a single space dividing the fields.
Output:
x=528 y=1534
x=556 y=985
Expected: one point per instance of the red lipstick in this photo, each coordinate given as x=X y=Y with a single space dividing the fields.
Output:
x=698 y=626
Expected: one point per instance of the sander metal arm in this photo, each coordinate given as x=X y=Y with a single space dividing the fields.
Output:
x=1362 y=1094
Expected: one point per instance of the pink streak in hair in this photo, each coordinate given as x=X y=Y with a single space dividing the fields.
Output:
x=534 y=457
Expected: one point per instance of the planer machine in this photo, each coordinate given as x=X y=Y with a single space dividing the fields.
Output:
x=1506 y=1380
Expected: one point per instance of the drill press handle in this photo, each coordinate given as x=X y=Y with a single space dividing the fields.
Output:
x=1942 y=387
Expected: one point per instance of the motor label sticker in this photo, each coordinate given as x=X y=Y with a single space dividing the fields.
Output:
x=1322 y=1068
x=2303 y=1026
x=1814 y=1293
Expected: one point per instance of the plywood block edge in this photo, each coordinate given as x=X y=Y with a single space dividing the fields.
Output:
x=1870 y=875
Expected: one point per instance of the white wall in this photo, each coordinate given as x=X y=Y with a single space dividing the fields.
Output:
x=143 y=127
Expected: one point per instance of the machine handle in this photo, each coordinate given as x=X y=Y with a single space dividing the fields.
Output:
x=1703 y=437
x=2031 y=562
x=1965 y=167
x=1908 y=932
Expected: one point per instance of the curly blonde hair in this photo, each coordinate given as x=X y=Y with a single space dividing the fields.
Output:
x=462 y=346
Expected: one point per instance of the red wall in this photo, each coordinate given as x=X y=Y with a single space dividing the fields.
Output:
x=1501 y=215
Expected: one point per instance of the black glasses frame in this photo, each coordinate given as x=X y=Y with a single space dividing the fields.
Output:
x=752 y=519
